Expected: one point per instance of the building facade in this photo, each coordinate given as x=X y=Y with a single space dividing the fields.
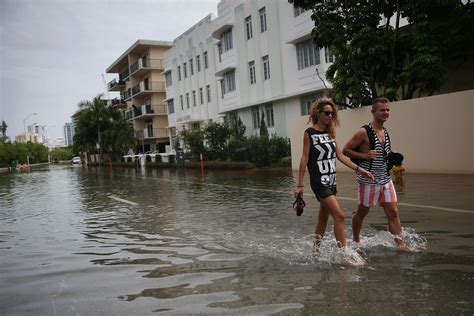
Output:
x=39 y=131
x=260 y=61
x=141 y=83
x=69 y=134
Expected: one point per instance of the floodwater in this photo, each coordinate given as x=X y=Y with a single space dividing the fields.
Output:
x=89 y=241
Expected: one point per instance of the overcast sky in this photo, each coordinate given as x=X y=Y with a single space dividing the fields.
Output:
x=53 y=52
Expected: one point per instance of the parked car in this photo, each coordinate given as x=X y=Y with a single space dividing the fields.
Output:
x=76 y=160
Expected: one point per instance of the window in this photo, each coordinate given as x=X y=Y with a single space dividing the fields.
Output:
x=226 y=41
x=228 y=82
x=219 y=50
x=297 y=11
x=263 y=19
x=194 y=97
x=187 y=100
x=266 y=67
x=170 y=106
x=330 y=58
x=168 y=79
x=206 y=62
x=307 y=54
x=252 y=77
x=306 y=102
x=208 y=92
x=191 y=66
x=255 y=118
x=185 y=70
x=248 y=27
x=201 y=97
x=198 y=62
x=182 y=103
x=269 y=115
x=179 y=73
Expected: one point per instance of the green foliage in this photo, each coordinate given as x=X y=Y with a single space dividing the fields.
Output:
x=3 y=132
x=194 y=141
x=95 y=123
x=259 y=150
x=216 y=136
x=279 y=148
x=375 y=58
x=35 y=153
x=64 y=154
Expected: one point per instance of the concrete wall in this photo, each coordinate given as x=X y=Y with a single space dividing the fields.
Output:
x=435 y=134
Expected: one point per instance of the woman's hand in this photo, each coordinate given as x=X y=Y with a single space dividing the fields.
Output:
x=365 y=173
x=298 y=190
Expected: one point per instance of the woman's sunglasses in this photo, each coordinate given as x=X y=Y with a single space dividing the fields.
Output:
x=328 y=113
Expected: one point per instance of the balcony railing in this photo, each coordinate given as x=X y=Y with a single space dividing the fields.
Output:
x=150 y=110
x=115 y=85
x=126 y=95
x=151 y=133
x=146 y=64
x=146 y=86
x=117 y=102
x=124 y=75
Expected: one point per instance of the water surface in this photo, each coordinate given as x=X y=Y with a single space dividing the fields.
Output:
x=88 y=241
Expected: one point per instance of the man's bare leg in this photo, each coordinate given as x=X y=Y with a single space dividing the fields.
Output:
x=394 y=225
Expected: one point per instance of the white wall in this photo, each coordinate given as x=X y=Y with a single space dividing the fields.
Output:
x=435 y=134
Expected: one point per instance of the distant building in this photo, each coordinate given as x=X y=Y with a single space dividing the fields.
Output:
x=39 y=131
x=56 y=143
x=25 y=137
x=68 y=133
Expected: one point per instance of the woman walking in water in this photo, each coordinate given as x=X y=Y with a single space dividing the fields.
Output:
x=319 y=156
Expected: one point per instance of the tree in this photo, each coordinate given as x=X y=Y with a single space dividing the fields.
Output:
x=91 y=120
x=119 y=136
x=3 y=131
x=263 y=126
x=194 y=140
x=375 y=58
x=216 y=136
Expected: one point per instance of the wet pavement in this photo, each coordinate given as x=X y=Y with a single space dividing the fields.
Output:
x=89 y=241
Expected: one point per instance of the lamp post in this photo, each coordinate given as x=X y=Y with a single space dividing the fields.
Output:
x=24 y=122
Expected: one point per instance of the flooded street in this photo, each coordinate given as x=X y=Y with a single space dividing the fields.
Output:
x=90 y=241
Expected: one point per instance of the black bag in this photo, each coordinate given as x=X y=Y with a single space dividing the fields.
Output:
x=371 y=136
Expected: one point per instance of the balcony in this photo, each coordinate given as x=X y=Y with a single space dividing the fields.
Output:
x=117 y=103
x=152 y=133
x=124 y=75
x=144 y=65
x=146 y=88
x=126 y=95
x=128 y=115
x=149 y=110
x=116 y=85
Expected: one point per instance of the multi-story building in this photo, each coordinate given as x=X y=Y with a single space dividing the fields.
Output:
x=260 y=61
x=39 y=131
x=69 y=134
x=191 y=91
x=25 y=137
x=141 y=83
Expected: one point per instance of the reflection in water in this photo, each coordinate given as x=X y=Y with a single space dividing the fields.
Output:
x=121 y=242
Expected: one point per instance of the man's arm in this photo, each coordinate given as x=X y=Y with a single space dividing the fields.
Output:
x=361 y=140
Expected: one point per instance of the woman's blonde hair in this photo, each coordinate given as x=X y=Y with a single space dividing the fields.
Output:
x=317 y=106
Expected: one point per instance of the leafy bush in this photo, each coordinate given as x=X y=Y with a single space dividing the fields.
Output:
x=259 y=150
x=279 y=148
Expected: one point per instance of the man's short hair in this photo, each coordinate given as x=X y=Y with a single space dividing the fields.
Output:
x=379 y=100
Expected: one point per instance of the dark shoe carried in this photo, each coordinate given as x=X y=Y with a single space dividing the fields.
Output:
x=299 y=205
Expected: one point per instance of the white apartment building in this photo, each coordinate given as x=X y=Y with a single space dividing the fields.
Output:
x=39 y=131
x=259 y=59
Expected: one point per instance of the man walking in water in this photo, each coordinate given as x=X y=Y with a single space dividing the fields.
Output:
x=381 y=190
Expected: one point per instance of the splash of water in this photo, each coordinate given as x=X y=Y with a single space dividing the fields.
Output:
x=301 y=250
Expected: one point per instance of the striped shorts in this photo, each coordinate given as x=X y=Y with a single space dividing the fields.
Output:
x=374 y=194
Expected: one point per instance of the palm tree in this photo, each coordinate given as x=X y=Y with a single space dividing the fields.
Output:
x=90 y=120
